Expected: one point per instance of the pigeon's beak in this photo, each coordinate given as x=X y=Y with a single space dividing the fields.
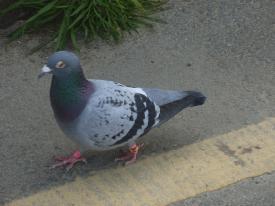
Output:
x=45 y=70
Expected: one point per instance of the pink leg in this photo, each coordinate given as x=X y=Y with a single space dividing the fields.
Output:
x=70 y=161
x=131 y=155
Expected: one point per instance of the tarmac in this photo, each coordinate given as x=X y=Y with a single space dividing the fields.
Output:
x=222 y=153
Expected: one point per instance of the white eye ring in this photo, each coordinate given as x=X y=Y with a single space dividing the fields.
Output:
x=60 y=65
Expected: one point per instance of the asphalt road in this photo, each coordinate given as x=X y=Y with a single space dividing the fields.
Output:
x=223 y=48
x=258 y=191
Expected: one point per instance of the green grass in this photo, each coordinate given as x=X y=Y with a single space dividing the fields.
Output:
x=107 y=19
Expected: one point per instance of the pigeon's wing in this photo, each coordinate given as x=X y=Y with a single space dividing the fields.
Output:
x=162 y=97
x=171 y=102
x=117 y=114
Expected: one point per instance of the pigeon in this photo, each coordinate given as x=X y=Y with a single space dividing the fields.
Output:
x=103 y=115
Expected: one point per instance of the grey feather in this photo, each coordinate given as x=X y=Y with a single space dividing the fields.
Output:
x=162 y=97
x=114 y=116
x=172 y=102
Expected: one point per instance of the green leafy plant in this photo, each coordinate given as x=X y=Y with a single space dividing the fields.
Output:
x=104 y=18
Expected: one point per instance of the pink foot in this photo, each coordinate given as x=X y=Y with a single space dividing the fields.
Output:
x=130 y=156
x=70 y=161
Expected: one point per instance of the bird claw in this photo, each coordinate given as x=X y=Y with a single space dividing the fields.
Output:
x=131 y=161
x=70 y=166
x=69 y=162
x=131 y=155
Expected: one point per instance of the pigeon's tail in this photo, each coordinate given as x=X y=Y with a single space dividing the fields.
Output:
x=195 y=98
x=172 y=102
x=188 y=99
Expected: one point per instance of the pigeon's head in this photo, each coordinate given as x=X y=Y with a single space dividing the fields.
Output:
x=60 y=64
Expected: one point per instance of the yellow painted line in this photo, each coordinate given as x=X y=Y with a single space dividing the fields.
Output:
x=161 y=179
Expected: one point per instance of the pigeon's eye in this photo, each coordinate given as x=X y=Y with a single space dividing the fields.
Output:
x=60 y=65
